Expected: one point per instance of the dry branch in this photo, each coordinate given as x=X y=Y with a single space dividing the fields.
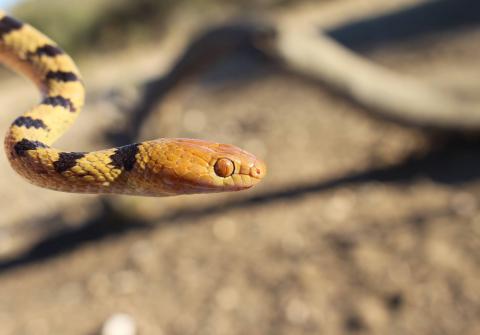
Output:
x=304 y=48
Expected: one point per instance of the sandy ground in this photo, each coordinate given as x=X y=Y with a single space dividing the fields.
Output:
x=362 y=226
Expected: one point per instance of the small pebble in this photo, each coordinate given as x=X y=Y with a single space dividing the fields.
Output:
x=296 y=311
x=143 y=257
x=36 y=325
x=225 y=229
x=99 y=285
x=126 y=281
x=71 y=293
x=119 y=324
x=339 y=208
x=464 y=204
x=227 y=298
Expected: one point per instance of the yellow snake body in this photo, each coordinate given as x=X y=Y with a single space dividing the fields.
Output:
x=153 y=168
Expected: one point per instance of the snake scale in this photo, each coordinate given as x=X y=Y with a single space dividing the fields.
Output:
x=160 y=167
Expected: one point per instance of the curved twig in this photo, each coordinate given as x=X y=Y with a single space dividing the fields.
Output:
x=307 y=50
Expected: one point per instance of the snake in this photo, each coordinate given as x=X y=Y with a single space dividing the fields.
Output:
x=160 y=167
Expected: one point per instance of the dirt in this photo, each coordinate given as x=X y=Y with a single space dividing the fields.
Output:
x=362 y=226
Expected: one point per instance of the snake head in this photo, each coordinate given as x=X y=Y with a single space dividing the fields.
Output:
x=196 y=166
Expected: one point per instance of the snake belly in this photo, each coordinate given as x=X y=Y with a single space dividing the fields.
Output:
x=160 y=167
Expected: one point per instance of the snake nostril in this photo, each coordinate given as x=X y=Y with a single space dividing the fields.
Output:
x=258 y=171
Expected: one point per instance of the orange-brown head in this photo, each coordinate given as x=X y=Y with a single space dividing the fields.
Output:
x=185 y=166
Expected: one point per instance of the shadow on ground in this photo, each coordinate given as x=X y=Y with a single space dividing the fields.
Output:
x=455 y=162
x=452 y=160
x=427 y=18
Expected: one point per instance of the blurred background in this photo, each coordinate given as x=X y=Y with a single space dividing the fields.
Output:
x=367 y=223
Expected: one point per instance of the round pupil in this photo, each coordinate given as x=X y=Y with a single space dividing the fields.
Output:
x=224 y=167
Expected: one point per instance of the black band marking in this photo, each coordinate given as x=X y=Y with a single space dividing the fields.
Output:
x=59 y=101
x=67 y=160
x=46 y=50
x=9 y=24
x=61 y=76
x=24 y=145
x=28 y=122
x=124 y=157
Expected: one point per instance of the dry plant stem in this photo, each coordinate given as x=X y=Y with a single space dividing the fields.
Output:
x=305 y=49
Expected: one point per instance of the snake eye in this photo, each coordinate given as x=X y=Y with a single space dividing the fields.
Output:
x=224 y=167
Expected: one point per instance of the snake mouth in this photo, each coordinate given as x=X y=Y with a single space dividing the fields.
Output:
x=252 y=177
x=254 y=181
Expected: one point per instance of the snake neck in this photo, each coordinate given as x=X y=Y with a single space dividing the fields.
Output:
x=28 y=140
x=31 y=53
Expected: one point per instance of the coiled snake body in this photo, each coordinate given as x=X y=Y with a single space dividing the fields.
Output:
x=153 y=168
